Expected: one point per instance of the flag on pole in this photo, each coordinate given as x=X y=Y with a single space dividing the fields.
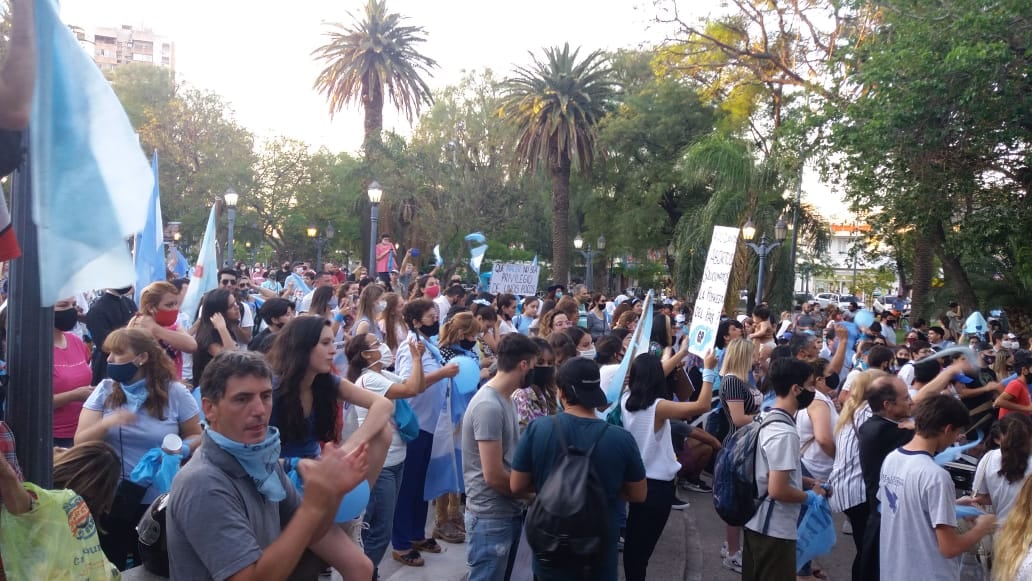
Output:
x=534 y=262
x=437 y=256
x=205 y=275
x=476 y=253
x=641 y=336
x=149 y=249
x=91 y=181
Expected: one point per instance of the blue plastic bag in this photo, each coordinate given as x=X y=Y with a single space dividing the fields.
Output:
x=156 y=469
x=816 y=530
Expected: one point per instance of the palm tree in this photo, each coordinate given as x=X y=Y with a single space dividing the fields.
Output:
x=374 y=57
x=556 y=105
x=743 y=187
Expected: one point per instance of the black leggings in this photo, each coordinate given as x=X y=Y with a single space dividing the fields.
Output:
x=645 y=523
x=858 y=516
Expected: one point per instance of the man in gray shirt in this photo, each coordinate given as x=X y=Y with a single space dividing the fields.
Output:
x=232 y=511
x=490 y=432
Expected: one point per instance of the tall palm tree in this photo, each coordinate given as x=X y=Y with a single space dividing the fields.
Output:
x=375 y=57
x=556 y=104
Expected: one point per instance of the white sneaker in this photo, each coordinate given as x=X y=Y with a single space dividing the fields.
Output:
x=723 y=550
x=847 y=527
x=733 y=562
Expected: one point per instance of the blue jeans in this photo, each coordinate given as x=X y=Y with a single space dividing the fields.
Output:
x=379 y=513
x=491 y=546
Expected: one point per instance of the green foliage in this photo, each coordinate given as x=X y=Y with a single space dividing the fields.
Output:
x=376 y=56
x=557 y=104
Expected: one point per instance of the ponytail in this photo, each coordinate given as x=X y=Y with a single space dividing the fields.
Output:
x=1015 y=446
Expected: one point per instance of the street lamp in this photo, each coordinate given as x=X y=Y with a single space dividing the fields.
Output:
x=320 y=242
x=589 y=255
x=375 y=195
x=231 y=198
x=763 y=249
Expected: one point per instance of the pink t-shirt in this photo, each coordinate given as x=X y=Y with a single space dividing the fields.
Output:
x=71 y=370
x=386 y=263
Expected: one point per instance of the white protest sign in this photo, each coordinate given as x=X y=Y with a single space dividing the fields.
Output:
x=517 y=279
x=710 y=301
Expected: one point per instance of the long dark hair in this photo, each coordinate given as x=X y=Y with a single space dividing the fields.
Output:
x=647 y=382
x=356 y=363
x=321 y=300
x=1015 y=446
x=289 y=359
x=216 y=301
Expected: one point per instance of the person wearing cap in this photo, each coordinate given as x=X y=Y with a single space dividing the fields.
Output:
x=616 y=460
x=1015 y=397
x=490 y=431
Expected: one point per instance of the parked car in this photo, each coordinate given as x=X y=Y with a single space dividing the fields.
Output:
x=845 y=300
x=803 y=298
x=825 y=299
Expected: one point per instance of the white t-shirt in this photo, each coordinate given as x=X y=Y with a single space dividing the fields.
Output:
x=816 y=461
x=505 y=327
x=606 y=374
x=379 y=383
x=916 y=496
x=988 y=481
x=778 y=449
x=443 y=306
x=306 y=303
x=906 y=373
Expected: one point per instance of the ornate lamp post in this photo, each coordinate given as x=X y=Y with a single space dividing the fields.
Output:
x=763 y=249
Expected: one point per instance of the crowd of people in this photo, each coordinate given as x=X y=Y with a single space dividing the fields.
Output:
x=290 y=406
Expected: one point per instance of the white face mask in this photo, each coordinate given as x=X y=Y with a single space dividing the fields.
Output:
x=588 y=353
x=386 y=357
x=1009 y=344
x=381 y=307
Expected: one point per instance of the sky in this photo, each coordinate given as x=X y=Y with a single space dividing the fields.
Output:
x=257 y=53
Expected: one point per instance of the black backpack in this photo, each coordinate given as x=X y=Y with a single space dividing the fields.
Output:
x=568 y=523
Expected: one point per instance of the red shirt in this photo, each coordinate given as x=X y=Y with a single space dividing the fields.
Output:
x=71 y=371
x=1019 y=392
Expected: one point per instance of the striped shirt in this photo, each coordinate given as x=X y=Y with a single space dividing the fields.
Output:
x=847 y=479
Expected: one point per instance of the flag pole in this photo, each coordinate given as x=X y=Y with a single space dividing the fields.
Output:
x=30 y=348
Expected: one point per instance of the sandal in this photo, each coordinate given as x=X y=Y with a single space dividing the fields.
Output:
x=819 y=573
x=426 y=546
x=411 y=558
x=448 y=533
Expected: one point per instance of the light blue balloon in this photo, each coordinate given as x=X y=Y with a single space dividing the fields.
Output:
x=469 y=374
x=353 y=503
x=863 y=318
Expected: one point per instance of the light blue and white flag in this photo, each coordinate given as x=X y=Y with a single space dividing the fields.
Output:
x=149 y=249
x=642 y=333
x=299 y=283
x=91 y=181
x=205 y=275
x=476 y=253
x=182 y=266
x=534 y=262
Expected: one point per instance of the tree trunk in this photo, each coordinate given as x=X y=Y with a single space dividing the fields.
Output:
x=561 y=221
x=901 y=271
x=924 y=254
x=955 y=274
x=371 y=145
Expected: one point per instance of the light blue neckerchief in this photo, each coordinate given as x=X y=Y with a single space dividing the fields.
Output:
x=135 y=394
x=258 y=460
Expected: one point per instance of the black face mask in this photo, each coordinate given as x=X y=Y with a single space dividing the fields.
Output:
x=805 y=398
x=901 y=361
x=832 y=381
x=431 y=330
x=65 y=320
x=542 y=377
x=467 y=344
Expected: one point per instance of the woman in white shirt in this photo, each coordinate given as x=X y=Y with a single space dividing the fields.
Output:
x=646 y=414
x=1001 y=472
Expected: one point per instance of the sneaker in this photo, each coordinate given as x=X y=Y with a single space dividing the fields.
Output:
x=619 y=544
x=723 y=550
x=733 y=562
x=847 y=527
x=679 y=504
x=698 y=486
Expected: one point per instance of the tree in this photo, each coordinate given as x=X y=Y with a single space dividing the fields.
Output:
x=743 y=187
x=557 y=104
x=936 y=140
x=373 y=58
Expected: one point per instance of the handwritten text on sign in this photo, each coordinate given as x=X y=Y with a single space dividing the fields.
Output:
x=517 y=279
x=710 y=301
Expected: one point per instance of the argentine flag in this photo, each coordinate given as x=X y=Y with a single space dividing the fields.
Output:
x=92 y=183
x=205 y=275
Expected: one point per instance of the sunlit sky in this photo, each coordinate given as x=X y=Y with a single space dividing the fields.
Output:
x=256 y=53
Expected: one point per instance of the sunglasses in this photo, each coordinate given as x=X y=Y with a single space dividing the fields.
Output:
x=227 y=282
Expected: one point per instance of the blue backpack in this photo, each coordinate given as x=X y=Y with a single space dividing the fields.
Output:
x=735 y=494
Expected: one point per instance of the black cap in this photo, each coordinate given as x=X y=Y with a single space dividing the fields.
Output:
x=581 y=377
x=1022 y=358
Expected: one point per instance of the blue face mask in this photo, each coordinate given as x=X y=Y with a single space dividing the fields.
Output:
x=122 y=372
x=258 y=460
x=135 y=394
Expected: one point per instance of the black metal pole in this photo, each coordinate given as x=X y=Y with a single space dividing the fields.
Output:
x=30 y=348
